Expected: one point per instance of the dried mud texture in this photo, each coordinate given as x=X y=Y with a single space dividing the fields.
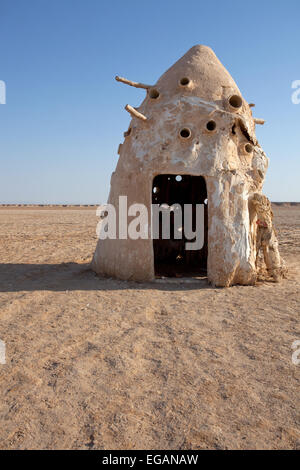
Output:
x=266 y=238
x=171 y=364
x=201 y=128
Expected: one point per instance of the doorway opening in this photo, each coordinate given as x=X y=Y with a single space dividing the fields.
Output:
x=171 y=259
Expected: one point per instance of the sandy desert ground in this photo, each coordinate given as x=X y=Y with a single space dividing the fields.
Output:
x=173 y=364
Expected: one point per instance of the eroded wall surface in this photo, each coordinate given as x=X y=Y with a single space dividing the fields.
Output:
x=197 y=123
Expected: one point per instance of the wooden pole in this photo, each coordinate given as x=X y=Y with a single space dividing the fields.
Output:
x=259 y=121
x=135 y=113
x=131 y=83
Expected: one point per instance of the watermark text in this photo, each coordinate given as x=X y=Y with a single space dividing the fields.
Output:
x=296 y=353
x=166 y=222
x=296 y=93
x=2 y=92
x=2 y=352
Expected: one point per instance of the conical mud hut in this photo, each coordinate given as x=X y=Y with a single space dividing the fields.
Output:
x=192 y=141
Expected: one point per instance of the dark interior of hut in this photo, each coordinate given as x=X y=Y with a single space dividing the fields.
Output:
x=171 y=259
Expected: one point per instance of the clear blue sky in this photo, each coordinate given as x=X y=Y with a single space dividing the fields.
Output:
x=64 y=117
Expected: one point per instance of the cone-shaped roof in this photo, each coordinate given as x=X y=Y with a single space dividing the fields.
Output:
x=207 y=77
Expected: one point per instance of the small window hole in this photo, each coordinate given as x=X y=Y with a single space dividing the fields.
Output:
x=154 y=94
x=235 y=101
x=185 y=133
x=211 y=126
x=184 y=81
x=248 y=148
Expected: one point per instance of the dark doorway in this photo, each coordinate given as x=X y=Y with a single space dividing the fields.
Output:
x=171 y=259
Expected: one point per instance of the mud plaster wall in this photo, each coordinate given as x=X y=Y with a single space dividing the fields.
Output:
x=155 y=147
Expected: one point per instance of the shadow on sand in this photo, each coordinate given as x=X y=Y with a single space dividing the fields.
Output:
x=76 y=277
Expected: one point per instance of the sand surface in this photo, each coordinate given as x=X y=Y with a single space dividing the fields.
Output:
x=173 y=364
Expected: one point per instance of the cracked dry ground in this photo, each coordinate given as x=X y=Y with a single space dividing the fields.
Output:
x=102 y=364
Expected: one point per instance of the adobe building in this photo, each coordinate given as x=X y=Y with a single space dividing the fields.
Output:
x=192 y=140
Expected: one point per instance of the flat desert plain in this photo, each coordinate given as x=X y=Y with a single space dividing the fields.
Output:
x=97 y=363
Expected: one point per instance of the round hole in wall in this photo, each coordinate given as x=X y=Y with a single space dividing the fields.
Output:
x=156 y=189
x=248 y=148
x=154 y=94
x=211 y=126
x=235 y=101
x=184 y=81
x=178 y=178
x=103 y=215
x=185 y=133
